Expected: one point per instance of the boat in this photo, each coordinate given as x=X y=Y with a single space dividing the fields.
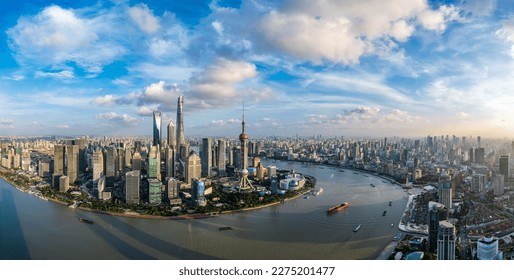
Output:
x=390 y=203
x=383 y=214
x=340 y=170
x=318 y=191
x=225 y=228
x=357 y=228
x=307 y=197
x=82 y=220
x=372 y=185
x=338 y=207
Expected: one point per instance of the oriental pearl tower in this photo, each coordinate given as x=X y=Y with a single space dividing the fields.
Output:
x=244 y=183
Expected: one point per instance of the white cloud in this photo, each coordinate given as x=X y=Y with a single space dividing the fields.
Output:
x=63 y=126
x=161 y=94
x=56 y=36
x=116 y=119
x=65 y=74
x=341 y=32
x=506 y=32
x=121 y=82
x=106 y=100
x=218 y=26
x=144 y=111
x=218 y=83
x=144 y=18
x=14 y=77
x=362 y=83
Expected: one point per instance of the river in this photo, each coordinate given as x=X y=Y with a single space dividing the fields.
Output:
x=31 y=228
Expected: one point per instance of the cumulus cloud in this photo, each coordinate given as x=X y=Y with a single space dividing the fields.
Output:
x=105 y=100
x=321 y=31
x=56 y=36
x=117 y=119
x=93 y=38
x=144 y=18
x=144 y=111
x=218 y=79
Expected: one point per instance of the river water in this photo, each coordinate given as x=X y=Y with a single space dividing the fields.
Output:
x=31 y=228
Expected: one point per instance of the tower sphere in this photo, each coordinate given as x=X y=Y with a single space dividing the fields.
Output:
x=243 y=136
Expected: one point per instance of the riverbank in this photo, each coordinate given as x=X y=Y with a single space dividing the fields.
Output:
x=152 y=217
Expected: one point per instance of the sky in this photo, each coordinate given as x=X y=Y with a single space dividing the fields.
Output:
x=337 y=68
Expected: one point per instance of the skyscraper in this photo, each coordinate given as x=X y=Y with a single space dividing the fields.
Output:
x=173 y=188
x=157 y=128
x=171 y=134
x=82 y=158
x=72 y=158
x=480 y=155
x=170 y=161
x=110 y=166
x=193 y=168
x=154 y=163
x=206 y=157
x=436 y=212
x=59 y=159
x=446 y=241
x=180 y=122
x=136 y=161
x=499 y=184
x=445 y=190
x=504 y=167
x=132 y=185
x=98 y=166
x=154 y=192
x=222 y=152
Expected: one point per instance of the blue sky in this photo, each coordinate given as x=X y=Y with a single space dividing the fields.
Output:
x=337 y=68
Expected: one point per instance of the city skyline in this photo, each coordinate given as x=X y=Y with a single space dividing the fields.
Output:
x=302 y=67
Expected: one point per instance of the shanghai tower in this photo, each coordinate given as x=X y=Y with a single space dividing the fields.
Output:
x=157 y=127
x=180 y=122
